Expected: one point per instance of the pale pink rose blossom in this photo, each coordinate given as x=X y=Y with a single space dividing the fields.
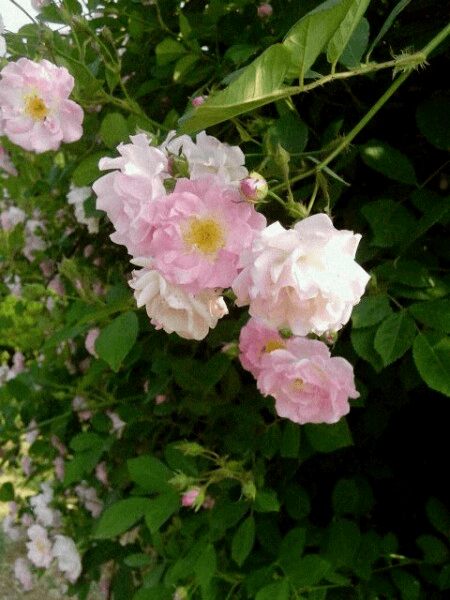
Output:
x=76 y=197
x=171 y=309
x=11 y=529
x=78 y=405
x=89 y=341
x=208 y=156
x=88 y=496
x=59 y=468
x=32 y=432
x=200 y=231
x=256 y=340
x=5 y=161
x=11 y=217
x=23 y=574
x=27 y=467
x=33 y=240
x=35 y=110
x=305 y=278
x=101 y=474
x=126 y=193
x=58 y=445
x=14 y=285
x=13 y=508
x=39 y=548
x=69 y=561
x=27 y=520
x=117 y=424
x=308 y=385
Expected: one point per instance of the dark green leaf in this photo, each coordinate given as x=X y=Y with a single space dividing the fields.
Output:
x=395 y=336
x=343 y=542
x=206 y=565
x=311 y=569
x=387 y=24
x=433 y=313
x=150 y=473
x=290 y=132
x=157 y=592
x=243 y=541
x=168 y=51
x=328 y=438
x=438 y=515
x=116 y=339
x=432 y=119
x=390 y=162
x=344 y=38
x=353 y=52
x=121 y=516
x=432 y=359
x=363 y=341
x=370 y=311
x=159 y=510
x=434 y=550
x=290 y=440
x=87 y=171
x=114 y=129
x=266 y=501
x=390 y=222
x=274 y=591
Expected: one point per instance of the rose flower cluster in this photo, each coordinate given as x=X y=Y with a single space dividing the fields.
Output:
x=185 y=212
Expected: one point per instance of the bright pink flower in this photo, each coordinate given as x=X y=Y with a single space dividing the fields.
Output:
x=264 y=10
x=200 y=230
x=126 y=193
x=172 y=309
x=35 y=110
x=305 y=278
x=308 y=385
x=198 y=100
x=190 y=496
x=256 y=340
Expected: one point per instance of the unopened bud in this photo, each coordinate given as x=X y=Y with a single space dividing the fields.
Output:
x=254 y=188
x=198 y=100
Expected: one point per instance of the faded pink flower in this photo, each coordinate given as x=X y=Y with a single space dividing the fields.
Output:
x=57 y=444
x=264 y=10
x=89 y=341
x=88 y=496
x=304 y=278
x=208 y=156
x=256 y=340
x=32 y=432
x=39 y=548
x=10 y=528
x=5 y=161
x=35 y=110
x=126 y=193
x=101 y=474
x=78 y=405
x=308 y=385
x=27 y=467
x=172 y=309
x=23 y=574
x=117 y=424
x=200 y=230
x=198 y=100
x=57 y=285
x=11 y=217
x=160 y=399
x=33 y=241
x=59 y=468
x=69 y=561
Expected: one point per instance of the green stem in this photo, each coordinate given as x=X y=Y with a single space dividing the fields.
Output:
x=23 y=10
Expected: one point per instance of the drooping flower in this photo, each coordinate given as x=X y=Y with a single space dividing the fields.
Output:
x=172 y=309
x=309 y=386
x=200 y=231
x=125 y=194
x=208 y=156
x=69 y=561
x=39 y=548
x=35 y=111
x=305 y=278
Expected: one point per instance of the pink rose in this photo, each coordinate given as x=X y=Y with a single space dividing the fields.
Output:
x=264 y=10
x=35 y=110
x=305 y=278
x=256 y=340
x=308 y=385
x=190 y=496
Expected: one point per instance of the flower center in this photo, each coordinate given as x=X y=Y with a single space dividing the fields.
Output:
x=273 y=344
x=206 y=234
x=298 y=385
x=35 y=107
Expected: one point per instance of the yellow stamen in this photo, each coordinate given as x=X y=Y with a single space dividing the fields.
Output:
x=298 y=385
x=274 y=344
x=35 y=107
x=206 y=234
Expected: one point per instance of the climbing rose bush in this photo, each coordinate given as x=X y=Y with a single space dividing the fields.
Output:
x=35 y=110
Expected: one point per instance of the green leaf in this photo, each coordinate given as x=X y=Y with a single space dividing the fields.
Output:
x=260 y=83
x=159 y=510
x=157 y=592
x=438 y=515
x=184 y=66
x=6 y=492
x=433 y=313
x=168 y=51
x=345 y=497
x=290 y=132
x=434 y=550
x=328 y=438
x=121 y=516
x=444 y=578
x=370 y=311
x=150 y=473
x=116 y=339
x=206 y=565
x=432 y=359
x=87 y=171
x=363 y=342
x=395 y=336
x=353 y=52
x=309 y=36
x=390 y=222
x=266 y=501
x=290 y=440
x=114 y=129
x=311 y=569
x=274 y=591
x=139 y=560
x=387 y=24
x=432 y=119
x=390 y=162
x=291 y=550
x=343 y=542
x=243 y=541
x=343 y=35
